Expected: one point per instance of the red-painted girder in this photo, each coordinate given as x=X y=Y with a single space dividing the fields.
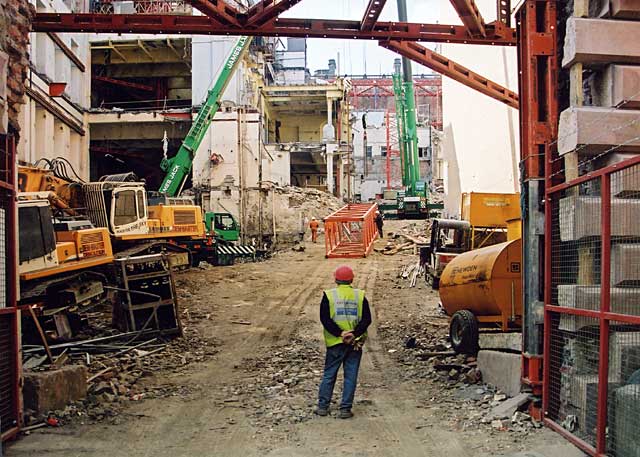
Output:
x=119 y=82
x=267 y=10
x=371 y=14
x=309 y=28
x=447 y=67
x=218 y=10
x=470 y=16
x=423 y=87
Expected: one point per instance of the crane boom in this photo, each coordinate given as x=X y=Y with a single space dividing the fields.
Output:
x=178 y=167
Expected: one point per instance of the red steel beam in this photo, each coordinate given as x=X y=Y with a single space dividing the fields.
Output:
x=447 y=67
x=119 y=82
x=267 y=10
x=470 y=16
x=371 y=14
x=219 y=11
x=308 y=28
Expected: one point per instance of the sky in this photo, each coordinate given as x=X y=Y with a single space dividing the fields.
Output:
x=357 y=57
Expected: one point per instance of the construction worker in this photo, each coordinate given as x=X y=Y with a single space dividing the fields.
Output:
x=345 y=316
x=313 y=225
x=379 y=219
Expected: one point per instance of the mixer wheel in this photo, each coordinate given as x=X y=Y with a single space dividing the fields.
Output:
x=463 y=331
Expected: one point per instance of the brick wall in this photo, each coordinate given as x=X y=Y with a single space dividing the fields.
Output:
x=15 y=25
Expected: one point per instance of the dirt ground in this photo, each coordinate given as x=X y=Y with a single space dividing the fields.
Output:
x=255 y=394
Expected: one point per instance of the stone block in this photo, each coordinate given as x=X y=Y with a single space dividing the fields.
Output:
x=501 y=341
x=627 y=421
x=580 y=217
x=584 y=399
x=617 y=85
x=624 y=300
x=599 y=41
x=590 y=130
x=45 y=391
x=624 y=355
x=625 y=264
x=501 y=370
x=621 y=9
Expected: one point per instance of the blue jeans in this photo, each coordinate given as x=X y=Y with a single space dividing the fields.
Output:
x=341 y=354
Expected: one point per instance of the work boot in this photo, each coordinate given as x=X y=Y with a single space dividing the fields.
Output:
x=345 y=414
x=322 y=411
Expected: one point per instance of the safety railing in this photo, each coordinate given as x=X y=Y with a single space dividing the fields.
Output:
x=350 y=231
x=592 y=310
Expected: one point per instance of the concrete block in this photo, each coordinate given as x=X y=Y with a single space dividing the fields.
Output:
x=627 y=421
x=501 y=341
x=45 y=391
x=625 y=264
x=580 y=217
x=624 y=355
x=625 y=183
x=621 y=9
x=624 y=300
x=597 y=41
x=507 y=409
x=584 y=398
x=501 y=370
x=591 y=130
x=617 y=85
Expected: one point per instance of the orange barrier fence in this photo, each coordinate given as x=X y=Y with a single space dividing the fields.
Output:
x=350 y=231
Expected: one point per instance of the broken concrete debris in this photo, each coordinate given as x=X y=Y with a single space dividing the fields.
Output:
x=109 y=371
x=456 y=378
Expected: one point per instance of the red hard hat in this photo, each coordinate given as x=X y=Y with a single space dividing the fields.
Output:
x=344 y=273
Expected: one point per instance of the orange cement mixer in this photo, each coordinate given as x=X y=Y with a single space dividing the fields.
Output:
x=482 y=289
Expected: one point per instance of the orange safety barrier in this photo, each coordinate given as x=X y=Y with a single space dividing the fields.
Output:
x=350 y=231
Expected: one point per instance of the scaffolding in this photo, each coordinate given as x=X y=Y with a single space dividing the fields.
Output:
x=350 y=231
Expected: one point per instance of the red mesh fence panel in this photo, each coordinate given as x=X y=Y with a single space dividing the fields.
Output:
x=592 y=365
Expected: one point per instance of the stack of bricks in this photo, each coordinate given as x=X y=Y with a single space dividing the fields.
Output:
x=15 y=25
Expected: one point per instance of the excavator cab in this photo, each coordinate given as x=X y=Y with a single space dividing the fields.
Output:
x=119 y=206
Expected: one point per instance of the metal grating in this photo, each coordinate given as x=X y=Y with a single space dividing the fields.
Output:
x=592 y=376
x=8 y=378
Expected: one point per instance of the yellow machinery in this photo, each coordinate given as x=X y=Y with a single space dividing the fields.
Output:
x=488 y=214
x=46 y=248
x=483 y=288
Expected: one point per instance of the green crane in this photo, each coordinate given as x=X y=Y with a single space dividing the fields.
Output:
x=178 y=167
x=412 y=202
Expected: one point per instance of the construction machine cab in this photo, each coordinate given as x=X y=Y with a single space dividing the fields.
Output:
x=449 y=238
x=119 y=206
x=223 y=225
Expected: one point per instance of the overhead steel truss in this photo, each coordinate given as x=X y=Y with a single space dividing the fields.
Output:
x=263 y=19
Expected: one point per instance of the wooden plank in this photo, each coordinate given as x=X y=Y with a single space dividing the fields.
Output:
x=43 y=337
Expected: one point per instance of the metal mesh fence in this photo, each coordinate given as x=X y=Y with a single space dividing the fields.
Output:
x=593 y=312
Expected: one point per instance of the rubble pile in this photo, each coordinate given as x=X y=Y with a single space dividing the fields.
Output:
x=282 y=387
x=119 y=368
x=407 y=239
x=453 y=381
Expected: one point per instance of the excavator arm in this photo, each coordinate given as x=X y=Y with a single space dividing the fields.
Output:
x=178 y=167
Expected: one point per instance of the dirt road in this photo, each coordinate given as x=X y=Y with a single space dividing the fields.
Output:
x=255 y=397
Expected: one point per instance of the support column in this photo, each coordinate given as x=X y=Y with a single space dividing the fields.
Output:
x=331 y=149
